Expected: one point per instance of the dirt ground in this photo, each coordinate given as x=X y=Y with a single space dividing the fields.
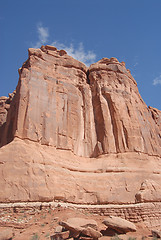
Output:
x=34 y=224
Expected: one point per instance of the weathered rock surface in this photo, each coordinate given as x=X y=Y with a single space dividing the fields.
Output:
x=6 y=234
x=60 y=102
x=60 y=235
x=156 y=233
x=119 y=224
x=5 y=103
x=123 y=121
x=149 y=191
x=82 y=222
x=91 y=233
x=77 y=225
x=79 y=135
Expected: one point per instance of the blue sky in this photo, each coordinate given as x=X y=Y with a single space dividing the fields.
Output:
x=89 y=30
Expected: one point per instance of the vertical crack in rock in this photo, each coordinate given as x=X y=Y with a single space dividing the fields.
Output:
x=87 y=74
x=98 y=118
x=125 y=136
x=25 y=124
x=83 y=110
x=45 y=173
x=113 y=119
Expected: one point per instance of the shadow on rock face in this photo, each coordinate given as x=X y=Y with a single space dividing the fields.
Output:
x=109 y=232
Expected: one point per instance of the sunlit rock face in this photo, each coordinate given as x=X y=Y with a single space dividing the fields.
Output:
x=122 y=120
x=80 y=135
x=59 y=102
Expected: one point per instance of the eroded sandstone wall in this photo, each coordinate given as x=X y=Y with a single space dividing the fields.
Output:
x=123 y=121
x=95 y=112
x=62 y=103
x=7 y=115
x=55 y=104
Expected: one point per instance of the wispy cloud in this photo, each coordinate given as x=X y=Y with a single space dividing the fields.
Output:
x=135 y=64
x=157 y=80
x=136 y=61
x=43 y=35
x=78 y=53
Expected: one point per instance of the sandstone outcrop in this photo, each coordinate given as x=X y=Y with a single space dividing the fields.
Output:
x=123 y=122
x=149 y=191
x=79 y=135
x=59 y=102
x=79 y=223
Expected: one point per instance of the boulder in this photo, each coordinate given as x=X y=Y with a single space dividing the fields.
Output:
x=77 y=225
x=119 y=224
x=83 y=222
x=60 y=235
x=91 y=233
x=74 y=229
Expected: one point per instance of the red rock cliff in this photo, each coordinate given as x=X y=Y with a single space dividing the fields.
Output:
x=113 y=139
x=59 y=102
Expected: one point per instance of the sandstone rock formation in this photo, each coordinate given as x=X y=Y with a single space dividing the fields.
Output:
x=77 y=224
x=81 y=226
x=79 y=135
x=60 y=102
x=149 y=191
x=5 y=103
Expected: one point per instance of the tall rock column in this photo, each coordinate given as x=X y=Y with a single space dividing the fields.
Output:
x=55 y=103
x=123 y=121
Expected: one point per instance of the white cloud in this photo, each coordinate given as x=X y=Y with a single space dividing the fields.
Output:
x=43 y=34
x=157 y=80
x=136 y=64
x=77 y=53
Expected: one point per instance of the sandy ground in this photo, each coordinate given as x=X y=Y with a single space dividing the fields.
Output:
x=34 y=224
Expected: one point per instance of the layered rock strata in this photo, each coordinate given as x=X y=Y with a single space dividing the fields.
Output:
x=79 y=135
